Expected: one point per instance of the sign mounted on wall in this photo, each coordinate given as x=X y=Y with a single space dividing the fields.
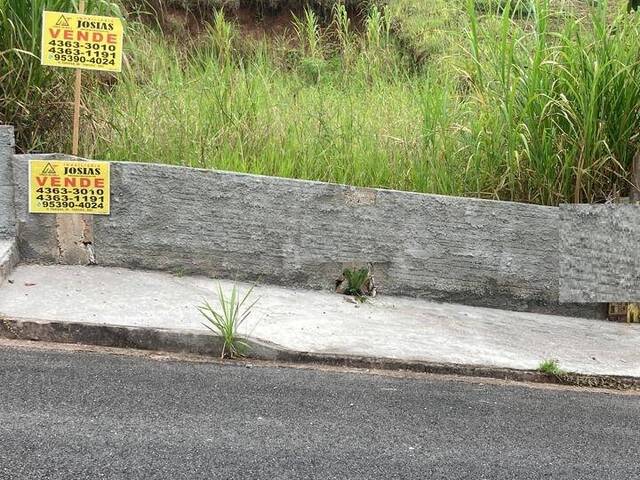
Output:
x=76 y=40
x=66 y=186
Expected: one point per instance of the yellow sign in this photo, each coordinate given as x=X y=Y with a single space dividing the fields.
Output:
x=67 y=186
x=81 y=41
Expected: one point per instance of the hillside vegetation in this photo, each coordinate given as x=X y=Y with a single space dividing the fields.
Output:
x=535 y=101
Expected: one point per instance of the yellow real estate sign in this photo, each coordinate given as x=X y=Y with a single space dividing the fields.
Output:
x=81 y=41
x=67 y=186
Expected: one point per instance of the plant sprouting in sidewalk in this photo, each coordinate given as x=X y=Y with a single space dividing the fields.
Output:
x=550 y=367
x=224 y=322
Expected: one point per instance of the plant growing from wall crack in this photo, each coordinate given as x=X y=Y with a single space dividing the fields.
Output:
x=357 y=282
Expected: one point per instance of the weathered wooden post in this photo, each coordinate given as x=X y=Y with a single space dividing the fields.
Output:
x=634 y=195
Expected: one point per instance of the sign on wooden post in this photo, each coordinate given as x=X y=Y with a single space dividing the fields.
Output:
x=76 y=40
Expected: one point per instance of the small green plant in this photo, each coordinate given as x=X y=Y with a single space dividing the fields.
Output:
x=356 y=281
x=225 y=323
x=179 y=272
x=550 y=367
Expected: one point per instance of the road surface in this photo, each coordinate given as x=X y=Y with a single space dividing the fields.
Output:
x=87 y=415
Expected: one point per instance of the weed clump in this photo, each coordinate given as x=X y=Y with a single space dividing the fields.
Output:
x=356 y=282
x=225 y=321
x=550 y=367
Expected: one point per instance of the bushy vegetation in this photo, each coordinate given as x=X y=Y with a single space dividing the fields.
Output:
x=532 y=102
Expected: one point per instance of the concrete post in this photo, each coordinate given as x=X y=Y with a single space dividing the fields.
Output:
x=7 y=207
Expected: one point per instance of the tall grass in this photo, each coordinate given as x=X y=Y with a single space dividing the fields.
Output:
x=521 y=104
x=563 y=107
x=252 y=116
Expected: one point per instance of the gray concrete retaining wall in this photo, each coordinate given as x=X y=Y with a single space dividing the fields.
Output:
x=9 y=255
x=600 y=253
x=7 y=212
x=300 y=233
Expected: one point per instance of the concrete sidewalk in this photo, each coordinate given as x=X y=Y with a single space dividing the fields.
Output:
x=326 y=323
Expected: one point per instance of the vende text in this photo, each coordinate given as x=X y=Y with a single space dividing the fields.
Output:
x=84 y=36
x=70 y=182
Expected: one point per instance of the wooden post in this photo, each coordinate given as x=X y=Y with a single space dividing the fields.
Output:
x=74 y=232
x=76 y=112
x=634 y=196
x=76 y=101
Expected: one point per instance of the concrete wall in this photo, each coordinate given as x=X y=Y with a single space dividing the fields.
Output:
x=600 y=253
x=9 y=255
x=302 y=234
x=7 y=212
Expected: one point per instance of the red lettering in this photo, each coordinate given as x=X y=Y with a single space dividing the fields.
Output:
x=83 y=35
x=111 y=38
x=54 y=32
x=42 y=181
x=68 y=35
x=55 y=181
x=85 y=182
x=69 y=182
x=97 y=37
x=99 y=182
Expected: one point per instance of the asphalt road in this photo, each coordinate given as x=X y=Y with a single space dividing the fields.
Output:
x=79 y=415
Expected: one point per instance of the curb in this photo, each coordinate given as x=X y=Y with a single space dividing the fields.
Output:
x=209 y=345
